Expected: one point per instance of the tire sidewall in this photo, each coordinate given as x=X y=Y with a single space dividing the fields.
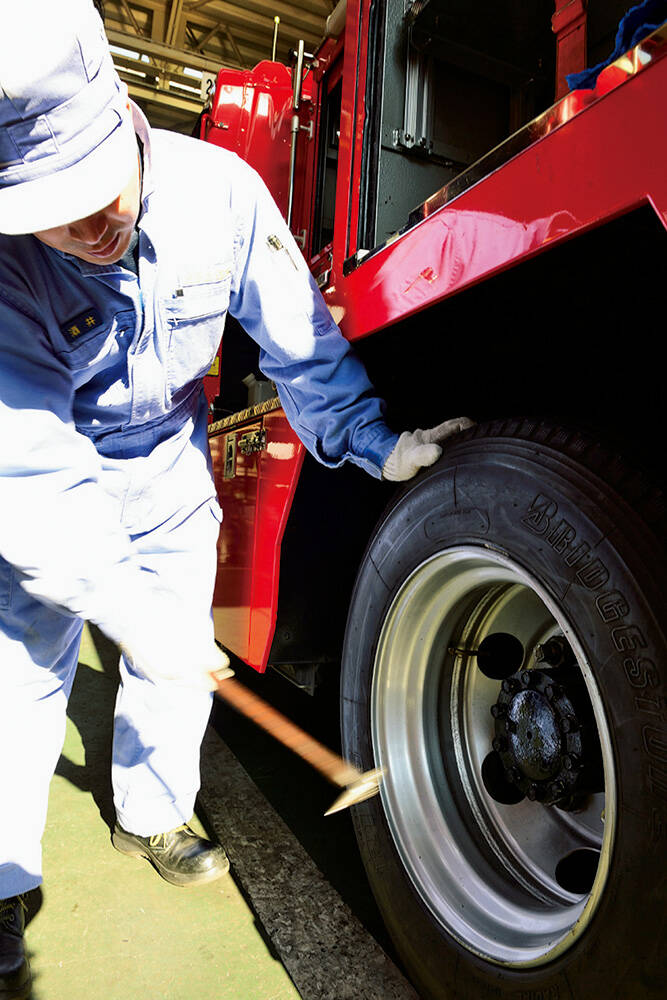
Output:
x=553 y=517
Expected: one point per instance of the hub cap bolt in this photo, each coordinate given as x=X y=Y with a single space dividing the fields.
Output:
x=498 y=711
x=499 y=744
x=509 y=685
x=526 y=677
x=569 y=724
x=570 y=762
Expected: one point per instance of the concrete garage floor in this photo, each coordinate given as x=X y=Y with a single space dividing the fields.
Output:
x=105 y=925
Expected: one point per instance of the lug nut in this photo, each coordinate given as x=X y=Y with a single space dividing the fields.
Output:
x=513 y=775
x=556 y=789
x=509 y=685
x=499 y=744
x=550 y=691
x=498 y=711
x=569 y=724
x=570 y=762
x=533 y=792
x=526 y=677
x=555 y=650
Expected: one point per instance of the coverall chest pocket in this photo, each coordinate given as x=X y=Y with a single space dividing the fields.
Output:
x=195 y=315
x=81 y=341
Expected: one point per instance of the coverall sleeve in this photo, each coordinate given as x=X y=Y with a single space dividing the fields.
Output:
x=323 y=386
x=57 y=528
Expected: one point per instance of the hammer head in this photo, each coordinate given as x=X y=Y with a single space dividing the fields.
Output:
x=363 y=787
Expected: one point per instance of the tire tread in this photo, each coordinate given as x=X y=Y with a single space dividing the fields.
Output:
x=613 y=469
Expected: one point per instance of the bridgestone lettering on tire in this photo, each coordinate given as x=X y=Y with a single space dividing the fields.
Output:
x=504 y=662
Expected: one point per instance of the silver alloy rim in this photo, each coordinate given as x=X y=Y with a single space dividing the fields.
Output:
x=486 y=871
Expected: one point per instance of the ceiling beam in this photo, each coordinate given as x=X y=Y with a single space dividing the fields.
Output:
x=164 y=98
x=200 y=43
x=300 y=16
x=260 y=30
x=129 y=14
x=270 y=7
x=168 y=52
x=174 y=23
x=227 y=33
x=198 y=3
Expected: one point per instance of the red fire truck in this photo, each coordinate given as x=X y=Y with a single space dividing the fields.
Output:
x=494 y=245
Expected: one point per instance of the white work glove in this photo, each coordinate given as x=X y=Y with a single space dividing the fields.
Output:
x=159 y=650
x=202 y=668
x=416 y=449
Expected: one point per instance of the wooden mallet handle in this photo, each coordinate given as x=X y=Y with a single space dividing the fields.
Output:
x=333 y=767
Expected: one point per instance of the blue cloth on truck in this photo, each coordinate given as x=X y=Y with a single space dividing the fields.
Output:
x=635 y=25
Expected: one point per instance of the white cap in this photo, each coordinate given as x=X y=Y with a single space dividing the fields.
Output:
x=67 y=143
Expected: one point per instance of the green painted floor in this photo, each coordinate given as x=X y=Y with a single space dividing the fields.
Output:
x=105 y=926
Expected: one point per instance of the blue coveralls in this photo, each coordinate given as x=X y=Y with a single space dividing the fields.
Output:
x=105 y=478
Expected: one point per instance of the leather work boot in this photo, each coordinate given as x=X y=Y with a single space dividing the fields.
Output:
x=179 y=856
x=14 y=969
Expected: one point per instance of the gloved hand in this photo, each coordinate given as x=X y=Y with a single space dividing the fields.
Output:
x=162 y=651
x=202 y=669
x=416 y=449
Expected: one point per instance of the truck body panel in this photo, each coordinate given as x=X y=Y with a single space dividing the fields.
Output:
x=592 y=157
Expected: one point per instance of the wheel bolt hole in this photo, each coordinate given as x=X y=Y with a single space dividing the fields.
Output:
x=500 y=655
x=495 y=782
x=576 y=871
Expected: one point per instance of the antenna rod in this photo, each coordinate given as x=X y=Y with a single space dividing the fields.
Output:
x=276 y=22
x=297 y=81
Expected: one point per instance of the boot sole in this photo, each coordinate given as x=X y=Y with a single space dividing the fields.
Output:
x=21 y=992
x=128 y=847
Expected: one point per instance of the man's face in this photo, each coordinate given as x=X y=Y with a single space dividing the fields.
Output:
x=101 y=238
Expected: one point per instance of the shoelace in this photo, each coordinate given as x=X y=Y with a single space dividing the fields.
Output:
x=160 y=839
x=7 y=907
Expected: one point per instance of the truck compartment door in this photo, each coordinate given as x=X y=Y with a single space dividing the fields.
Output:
x=256 y=462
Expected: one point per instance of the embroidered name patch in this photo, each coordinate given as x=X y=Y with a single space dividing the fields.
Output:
x=83 y=323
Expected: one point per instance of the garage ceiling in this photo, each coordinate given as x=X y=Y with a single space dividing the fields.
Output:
x=167 y=51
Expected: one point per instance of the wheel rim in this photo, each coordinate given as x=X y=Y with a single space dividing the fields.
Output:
x=493 y=874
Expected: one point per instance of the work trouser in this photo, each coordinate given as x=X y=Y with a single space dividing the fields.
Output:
x=165 y=503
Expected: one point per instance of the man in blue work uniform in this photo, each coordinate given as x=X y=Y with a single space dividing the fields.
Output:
x=122 y=251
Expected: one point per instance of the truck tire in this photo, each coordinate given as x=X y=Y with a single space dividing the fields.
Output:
x=503 y=664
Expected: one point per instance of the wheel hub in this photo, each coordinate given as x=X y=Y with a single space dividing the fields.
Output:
x=534 y=740
x=545 y=732
x=538 y=737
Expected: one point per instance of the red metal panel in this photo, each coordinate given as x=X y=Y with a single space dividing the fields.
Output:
x=569 y=26
x=256 y=503
x=233 y=596
x=599 y=154
x=251 y=115
x=345 y=197
x=604 y=155
x=279 y=468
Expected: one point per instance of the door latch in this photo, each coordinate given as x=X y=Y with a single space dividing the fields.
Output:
x=251 y=442
x=230 y=456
